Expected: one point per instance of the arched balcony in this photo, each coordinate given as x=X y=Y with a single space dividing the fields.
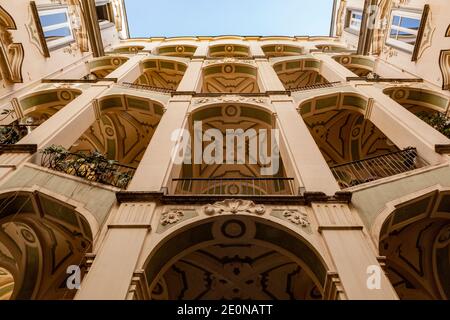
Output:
x=185 y=51
x=301 y=73
x=111 y=149
x=359 y=65
x=35 y=109
x=100 y=68
x=281 y=50
x=332 y=48
x=225 y=160
x=161 y=73
x=40 y=237
x=354 y=148
x=232 y=77
x=413 y=235
x=128 y=49
x=229 y=50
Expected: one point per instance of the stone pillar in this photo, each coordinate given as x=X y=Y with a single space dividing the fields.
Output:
x=256 y=50
x=267 y=77
x=355 y=259
x=202 y=49
x=131 y=70
x=110 y=275
x=302 y=151
x=192 y=77
x=155 y=166
x=331 y=70
x=403 y=127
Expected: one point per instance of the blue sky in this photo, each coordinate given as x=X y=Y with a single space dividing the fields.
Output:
x=169 y=18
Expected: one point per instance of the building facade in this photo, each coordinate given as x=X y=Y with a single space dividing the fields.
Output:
x=116 y=183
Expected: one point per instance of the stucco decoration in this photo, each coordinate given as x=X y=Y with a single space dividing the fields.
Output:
x=444 y=64
x=340 y=18
x=427 y=37
x=298 y=217
x=11 y=54
x=233 y=206
x=171 y=217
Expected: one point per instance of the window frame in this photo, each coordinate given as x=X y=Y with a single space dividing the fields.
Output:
x=61 y=42
x=416 y=15
x=351 y=19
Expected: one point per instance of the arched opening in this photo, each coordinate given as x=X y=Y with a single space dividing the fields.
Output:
x=40 y=238
x=229 y=50
x=354 y=148
x=128 y=49
x=235 y=257
x=35 y=109
x=297 y=74
x=184 y=51
x=359 y=65
x=230 y=77
x=163 y=74
x=233 y=151
x=281 y=50
x=415 y=239
x=100 y=68
x=111 y=149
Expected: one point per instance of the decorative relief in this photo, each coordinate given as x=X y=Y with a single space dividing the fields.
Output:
x=229 y=60
x=11 y=54
x=234 y=206
x=390 y=52
x=298 y=217
x=340 y=18
x=427 y=35
x=171 y=217
x=229 y=99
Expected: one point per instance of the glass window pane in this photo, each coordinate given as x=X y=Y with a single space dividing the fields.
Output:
x=393 y=33
x=395 y=20
x=58 y=33
x=410 y=23
x=52 y=19
x=407 y=38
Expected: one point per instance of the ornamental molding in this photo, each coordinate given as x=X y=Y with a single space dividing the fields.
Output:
x=171 y=217
x=229 y=60
x=298 y=217
x=234 y=206
x=230 y=99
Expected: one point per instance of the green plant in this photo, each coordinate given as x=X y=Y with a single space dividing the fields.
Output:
x=438 y=121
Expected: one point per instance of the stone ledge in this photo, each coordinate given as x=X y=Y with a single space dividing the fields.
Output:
x=18 y=148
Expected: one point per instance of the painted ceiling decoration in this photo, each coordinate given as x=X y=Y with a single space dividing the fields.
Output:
x=41 y=105
x=415 y=239
x=123 y=130
x=128 y=49
x=418 y=100
x=338 y=126
x=444 y=65
x=103 y=66
x=359 y=65
x=11 y=53
x=331 y=48
x=281 y=50
x=230 y=77
x=177 y=51
x=234 y=261
x=232 y=116
x=39 y=238
x=295 y=74
x=161 y=73
x=229 y=50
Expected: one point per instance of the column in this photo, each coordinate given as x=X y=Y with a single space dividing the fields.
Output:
x=353 y=254
x=301 y=149
x=267 y=77
x=191 y=81
x=331 y=70
x=110 y=275
x=403 y=127
x=131 y=70
x=156 y=164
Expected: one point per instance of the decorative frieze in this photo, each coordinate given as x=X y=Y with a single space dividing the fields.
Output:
x=233 y=206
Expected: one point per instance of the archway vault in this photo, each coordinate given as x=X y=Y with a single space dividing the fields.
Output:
x=162 y=73
x=235 y=257
x=231 y=77
x=299 y=73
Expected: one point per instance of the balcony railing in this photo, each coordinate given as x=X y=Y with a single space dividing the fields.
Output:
x=317 y=86
x=11 y=134
x=234 y=186
x=146 y=87
x=93 y=167
x=374 y=168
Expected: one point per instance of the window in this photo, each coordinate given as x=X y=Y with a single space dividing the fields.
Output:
x=355 y=20
x=404 y=29
x=56 y=27
x=105 y=14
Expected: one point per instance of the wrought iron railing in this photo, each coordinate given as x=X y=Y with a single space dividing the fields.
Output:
x=378 y=167
x=233 y=186
x=146 y=87
x=93 y=166
x=317 y=86
x=12 y=133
